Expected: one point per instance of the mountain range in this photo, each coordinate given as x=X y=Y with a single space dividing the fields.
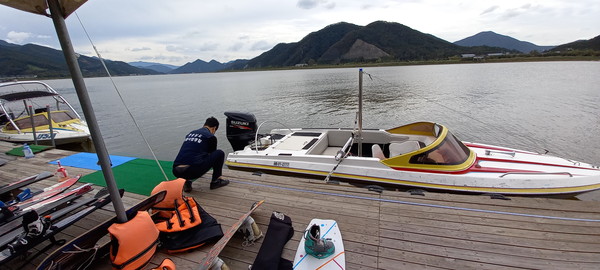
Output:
x=378 y=41
x=44 y=62
x=338 y=43
x=162 y=68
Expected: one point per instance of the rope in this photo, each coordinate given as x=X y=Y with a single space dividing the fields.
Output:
x=87 y=261
x=415 y=203
x=121 y=98
x=466 y=115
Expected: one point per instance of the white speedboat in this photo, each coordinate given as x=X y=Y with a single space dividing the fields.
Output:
x=33 y=107
x=421 y=155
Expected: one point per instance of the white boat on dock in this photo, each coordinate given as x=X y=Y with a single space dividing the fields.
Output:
x=31 y=111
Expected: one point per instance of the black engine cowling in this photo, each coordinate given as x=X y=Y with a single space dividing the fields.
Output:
x=241 y=129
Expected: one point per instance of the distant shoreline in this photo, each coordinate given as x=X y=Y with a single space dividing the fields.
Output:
x=438 y=62
x=452 y=61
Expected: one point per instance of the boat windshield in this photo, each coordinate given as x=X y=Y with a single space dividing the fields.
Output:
x=449 y=152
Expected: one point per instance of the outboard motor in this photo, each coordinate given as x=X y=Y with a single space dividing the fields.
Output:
x=241 y=129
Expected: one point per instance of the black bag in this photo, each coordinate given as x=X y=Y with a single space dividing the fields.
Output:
x=280 y=231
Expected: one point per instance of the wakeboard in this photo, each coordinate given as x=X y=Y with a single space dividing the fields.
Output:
x=44 y=206
x=45 y=194
x=10 y=187
x=329 y=229
x=21 y=248
x=12 y=229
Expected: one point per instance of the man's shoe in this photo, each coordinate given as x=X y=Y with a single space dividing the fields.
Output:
x=187 y=187
x=316 y=246
x=219 y=183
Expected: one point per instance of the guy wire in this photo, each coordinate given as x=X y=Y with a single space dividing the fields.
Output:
x=121 y=98
x=514 y=135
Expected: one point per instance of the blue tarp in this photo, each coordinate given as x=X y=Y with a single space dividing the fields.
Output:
x=90 y=161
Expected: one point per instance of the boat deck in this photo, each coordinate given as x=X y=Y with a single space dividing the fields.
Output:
x=388 y=230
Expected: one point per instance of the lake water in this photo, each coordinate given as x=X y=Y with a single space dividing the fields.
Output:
x=533 y=106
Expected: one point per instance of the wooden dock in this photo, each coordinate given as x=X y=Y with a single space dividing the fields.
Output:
x=388 y=230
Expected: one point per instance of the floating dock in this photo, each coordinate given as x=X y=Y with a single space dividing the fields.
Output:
x=387 y=230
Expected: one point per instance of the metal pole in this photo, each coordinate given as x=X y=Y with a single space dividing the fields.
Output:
x=29 y=110
x=50 y=126
x=360 y=82
x=86 y=105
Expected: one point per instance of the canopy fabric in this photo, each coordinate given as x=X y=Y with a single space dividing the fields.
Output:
x=26 y=95
x=40 y=6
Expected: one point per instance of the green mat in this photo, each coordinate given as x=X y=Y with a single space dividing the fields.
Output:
x=18 y=151
x=138 y=176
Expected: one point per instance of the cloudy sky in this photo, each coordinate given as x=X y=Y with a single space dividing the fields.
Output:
x=176 y=31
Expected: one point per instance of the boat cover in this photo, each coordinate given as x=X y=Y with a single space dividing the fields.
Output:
x=26 y=95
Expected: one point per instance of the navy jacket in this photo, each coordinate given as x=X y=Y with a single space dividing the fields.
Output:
x=198 y=144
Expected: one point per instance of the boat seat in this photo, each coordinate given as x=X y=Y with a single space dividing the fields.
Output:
x=377 y=152
x=40 y=110
x=401 y=148
x=3 y=118
x=331 y=151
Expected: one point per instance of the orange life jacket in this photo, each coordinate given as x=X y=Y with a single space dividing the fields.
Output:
x=166 y=264
x=177 y=212
x=133 y=243
x=174 y=190
x=186 y=215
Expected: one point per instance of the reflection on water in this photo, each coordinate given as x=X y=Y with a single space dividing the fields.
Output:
x=533 y=106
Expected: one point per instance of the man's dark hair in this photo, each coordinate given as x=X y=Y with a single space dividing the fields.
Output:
x=212 y=122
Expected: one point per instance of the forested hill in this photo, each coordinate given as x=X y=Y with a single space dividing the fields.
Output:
x=309 y=49
x=346 y=42
x=34 y=60
x=591 y=44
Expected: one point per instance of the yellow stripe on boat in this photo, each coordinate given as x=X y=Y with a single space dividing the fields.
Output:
x=544 y=191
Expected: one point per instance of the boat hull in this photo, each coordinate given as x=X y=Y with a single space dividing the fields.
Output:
x=44 y=138
x=445 y=182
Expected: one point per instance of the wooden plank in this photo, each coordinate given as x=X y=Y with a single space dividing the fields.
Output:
x=529 y=232
x=464 y=257
x=402 y=212
x=518 y=249
x=486 y=236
